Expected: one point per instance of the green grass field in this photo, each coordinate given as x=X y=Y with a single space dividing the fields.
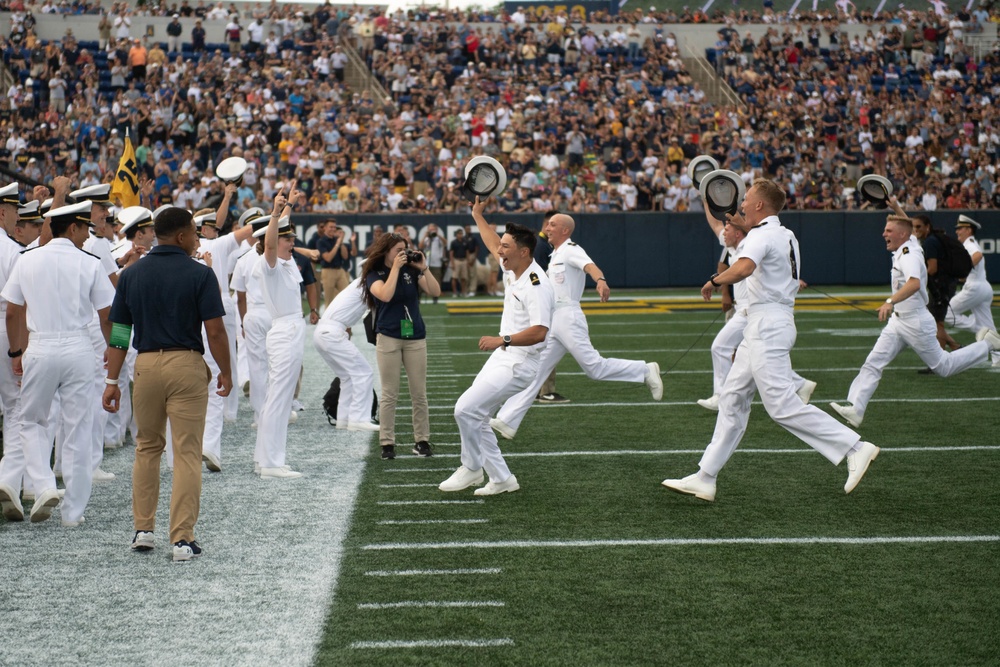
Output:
x=593 y=562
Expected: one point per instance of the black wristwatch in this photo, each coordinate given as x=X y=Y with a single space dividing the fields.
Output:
x=506 y=342
x=712 y=280
x=15 y=355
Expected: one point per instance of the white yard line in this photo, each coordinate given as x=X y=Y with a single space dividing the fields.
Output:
x=432 y=573
x=435 y=643
x=430 y=502
x=409 y=604
x=417 y=522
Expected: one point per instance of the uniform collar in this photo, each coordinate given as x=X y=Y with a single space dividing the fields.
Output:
x=168 y=249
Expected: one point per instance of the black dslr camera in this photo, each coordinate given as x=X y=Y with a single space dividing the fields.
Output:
x=414 y=256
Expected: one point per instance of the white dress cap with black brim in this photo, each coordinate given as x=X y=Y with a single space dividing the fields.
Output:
x=9 y=194
x=160 y=209
x=700 y=167
x=99 y=194
x=205 y=220
x=30 y=212
x=77 y=213
x=284 y=228
x=260 y=223
x=45 y=206
x=250 y=214
x=875 y=189
x=231 y=170
x=135 y=216
x=484 y=177
x=722 y=190
x=966 y=221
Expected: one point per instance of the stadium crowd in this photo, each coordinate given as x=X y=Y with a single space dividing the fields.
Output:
x=587 y=117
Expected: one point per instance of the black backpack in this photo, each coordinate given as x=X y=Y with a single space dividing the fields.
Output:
x=955 y=261
x=332 y=397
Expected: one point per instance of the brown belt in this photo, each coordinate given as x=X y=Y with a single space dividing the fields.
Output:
x=169 y=349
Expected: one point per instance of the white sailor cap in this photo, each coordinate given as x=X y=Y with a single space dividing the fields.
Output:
x=204 y=220
x=484 y=177
x=259 y=223
x=251 y=213
x=231 y=170
x=99 y=194
x=75 y=213
x=46 y=205
x=30 y=212
x=135 y=217
x=966 y=221
x=875 y=189
x=699 y=167
x=722 y=191
x=284 y=228
x=161 y=209
x=9 y=195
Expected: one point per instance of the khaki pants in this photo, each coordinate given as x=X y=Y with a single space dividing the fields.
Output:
x=393 y=355
x=170 y=385
x=334 y=281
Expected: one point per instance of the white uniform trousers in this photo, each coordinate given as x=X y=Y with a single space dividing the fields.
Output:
x=117 y=424
x=347 y=363
x=570 y=333
x=10 y=392
x=256 y=324
x=918 y=331
x=63 y=365
x=232 y=321
x=763 y=364
x=100 y=348
x=725 y=343
x=505 y=373
x=284 y=360
x=212 y=438
x=976 y=297
x=242 y=365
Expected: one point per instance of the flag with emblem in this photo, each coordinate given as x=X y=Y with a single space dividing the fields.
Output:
x=125 y=187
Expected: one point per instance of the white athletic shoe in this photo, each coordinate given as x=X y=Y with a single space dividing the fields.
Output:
x=10 y=504
x=692 y=485
x=284 y=472
x=462 y=478
x=113 y=444
x=493 y=488
x=44 y=504
x=73 y=524
x=503 y=429
x=103 y=475
x=30 y=495
x=991 y=337
x=361 y=426
x=293 y=417
x=212 y=461
x=654 y=381
x=849 y=414
x=710 y=403
x=806 y=391
x=857 y=464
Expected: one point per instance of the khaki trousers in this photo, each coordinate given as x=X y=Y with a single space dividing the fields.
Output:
x=334 y=282
x=169 y=385
x=393 y=355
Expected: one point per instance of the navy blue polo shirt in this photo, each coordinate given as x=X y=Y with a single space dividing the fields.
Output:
x=165 y=297
x=405 y=300
x=324 y=245
x=305 y=267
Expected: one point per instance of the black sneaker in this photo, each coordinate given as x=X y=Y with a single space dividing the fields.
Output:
x=185 y=551
x=388 y=451
x=422 y=448
x=143 y=541
x=552 y=398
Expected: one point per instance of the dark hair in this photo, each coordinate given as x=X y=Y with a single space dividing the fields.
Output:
x=375 y=259
x=549 y=214
x=60 y=225
x=171 y=221
x=523 y=237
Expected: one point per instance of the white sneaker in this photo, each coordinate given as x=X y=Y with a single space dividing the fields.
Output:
x=293 y=417
x=503 y=429
x=805 y=392
x=297 y=405
x=849 y=414
x=493 y=488
x=341 y=424
x=362 y=426
x=710 y=403
x=468 y=294
x=113 y=444
x=10 y=504
x=284 y=472
x=991 y=337
x=73 y=524
x=143 y=541
x=30 y=495
x=103 y=475
x=462 y=478
x=692 y=485
x=654 y=381
x=212 y=461
x=256 y=468
x=857 y=464
x=44 y=504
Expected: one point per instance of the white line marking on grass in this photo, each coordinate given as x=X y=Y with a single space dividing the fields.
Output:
x=815 y=401
x=430 y=603
x=640 y=452
x=432 y=573
x=419 y=470
x=684 y=542
x=405 y=486
x=435 y=643
x=431 y=502
x=412 y=522
x=659 y=350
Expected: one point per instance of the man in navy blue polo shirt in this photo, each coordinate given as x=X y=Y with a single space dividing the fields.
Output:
x=335 y=252
x=166 y=298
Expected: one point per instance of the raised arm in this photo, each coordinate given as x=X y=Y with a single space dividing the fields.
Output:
x=486 y=231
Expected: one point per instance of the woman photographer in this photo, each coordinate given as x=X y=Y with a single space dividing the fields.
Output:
x=391 y=280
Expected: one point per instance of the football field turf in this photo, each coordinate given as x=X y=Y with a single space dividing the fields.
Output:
x=592 y=562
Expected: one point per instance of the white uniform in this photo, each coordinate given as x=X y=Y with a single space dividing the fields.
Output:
x=762 y=360
x=911 y=325
x=100 y=248
x=10 y=253
x=61 y=287
x=569 y=333
x=528 y=301
x=333 y=344
x=223 y=249
x=256 y=324
x=119 y=423
x=976 y=296
x=242 y=372
x=283 y=300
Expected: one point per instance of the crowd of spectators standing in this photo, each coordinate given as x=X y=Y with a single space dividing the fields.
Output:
x=586 y=117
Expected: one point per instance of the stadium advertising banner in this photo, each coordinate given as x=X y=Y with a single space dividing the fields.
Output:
x=579 y=11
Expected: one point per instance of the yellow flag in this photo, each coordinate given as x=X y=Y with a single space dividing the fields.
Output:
x=125 y=187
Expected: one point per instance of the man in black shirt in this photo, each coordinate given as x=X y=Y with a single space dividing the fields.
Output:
x=940 y=287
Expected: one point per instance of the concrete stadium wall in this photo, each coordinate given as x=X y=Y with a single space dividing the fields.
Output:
x=656 y=250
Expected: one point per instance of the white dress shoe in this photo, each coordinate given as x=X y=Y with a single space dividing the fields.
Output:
x=857 y=464
x=10 y=504
x=991 y=337
x=284 y=472
x=462 y=478
x=362 y=426
x=849 y=414
x=805 y=392
x=74 y=524
x=44 y=504
x=503 y=429
x=293 y=417
x=654 y=381
x=212 y=461
x=493 y=488
x=692 y=485
x=710 y=403
x=103 y=475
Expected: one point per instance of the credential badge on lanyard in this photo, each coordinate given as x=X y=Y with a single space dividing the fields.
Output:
x=406 y=325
